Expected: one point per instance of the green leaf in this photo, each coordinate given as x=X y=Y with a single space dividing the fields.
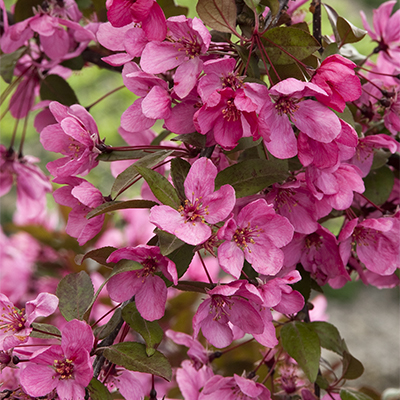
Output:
x=52 y=330
x=348 y=394
x=381 y=158
x=253 y=71
x=98 y=391
x=379 y=184
x=296 y=42
x=8 y=63
x=116 y=155
x=130 y=175
x=76 y=64
x=99 y=255
x=348 y=32
x=195 y=139
x=332 y=17
x=24 y=9
x=151 y=332
x=251 y=176
x=55 y=88
x=304 y=285
x=252 y=3
x=179 y=170
x=168 y=242
x=218 y=14
x=182 y=257
x=160 y=137
x=101 y=332
x=322 y=382
x=75 y=293
x=120 y=205
x=170 y=8
x=329 y=336
x=160 y=186
x=302 y=344
x=352 y=368
x=133 y=357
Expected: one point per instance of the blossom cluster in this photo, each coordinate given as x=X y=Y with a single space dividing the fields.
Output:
x=260 y=163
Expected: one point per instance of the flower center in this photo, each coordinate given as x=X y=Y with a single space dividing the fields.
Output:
x=245 y=236
x=149 y=268
x=364 y=236
x=230 y=112
x=286 y=105
x=190 y=46
x=12 y=319
x=193 y=212
x=64 y=368
x=232 y=81
x=314 y=240
x=285 y=198
x=219 y=307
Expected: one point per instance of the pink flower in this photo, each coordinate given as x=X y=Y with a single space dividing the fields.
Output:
x=310 y=117
x=337 y=77
x=257 y=235
x=188 y=39
x=32 y=184
x=376 y=241
x=236 y=387
x=203 y=205
x=226 y=307
x=83 y=197
x=387 y=31
x=15 y=324
x=66 y=367
x=76 y=136
x=149 y=289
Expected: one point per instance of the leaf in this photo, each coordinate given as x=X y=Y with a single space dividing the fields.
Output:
x=348 y=32
x=179 y=170
x=76 y=64
x=253 y=71
x=379 y=184
x=55 y=88
x=195 y=139
x=98 y=391
x=296 y=42
x=171 y=9
x=101 y=332
x=133 y=357
x=116 y=155
x=52 y=330
x=329 y=336
x=128 y=177
x=251 y=176
x=352 y=368
x=381 y=158
x=304 y=285
x=252 y=3
x=120 y=205
x=75 y=292
x=322 y=382
x=218 y=14
x=150 y=331
x=302 y=344
x=8 y=63
x=24 y=9
x=160 y=186
x=99 y=255
x=160 y=137
x=182 y=257
x=168 y=242
x=332 y=17
x=348 y=394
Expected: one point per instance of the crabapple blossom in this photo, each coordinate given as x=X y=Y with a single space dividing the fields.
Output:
x=337 y=77
x=76 y=136
x=149 y=289
x=202 y=205
x=15 y=324
x=257 y=236
x=83 y=197
x=376 y=242
x=66 y=368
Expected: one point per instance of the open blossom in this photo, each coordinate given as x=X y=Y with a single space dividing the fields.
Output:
x=387 y=32
x=75 y=136
x=32 y=184
x=188 y=39
x=376 y=242
x=202 y=205
x=15 y=323
x=66 y=367
x=257 y=236
x=83 y=197
x=235 y=388
x=291 y=105
x=337 y=77
x=149 y=289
